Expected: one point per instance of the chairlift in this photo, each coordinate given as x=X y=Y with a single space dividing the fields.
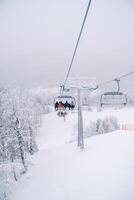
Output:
x=63 y=104
x=115 y=98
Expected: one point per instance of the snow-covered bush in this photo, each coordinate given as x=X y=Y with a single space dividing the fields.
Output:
x=110 y=124
x=102 y=126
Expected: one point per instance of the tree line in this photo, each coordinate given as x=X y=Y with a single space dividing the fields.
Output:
x=20 y=117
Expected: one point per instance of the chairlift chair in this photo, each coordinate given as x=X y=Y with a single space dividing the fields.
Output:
x=63 y=104
x=115 y=98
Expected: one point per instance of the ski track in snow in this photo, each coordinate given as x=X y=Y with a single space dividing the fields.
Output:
x=60 y=171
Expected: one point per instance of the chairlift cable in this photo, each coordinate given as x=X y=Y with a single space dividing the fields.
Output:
x=126 y=75
x=77 y=43
x=118 y=78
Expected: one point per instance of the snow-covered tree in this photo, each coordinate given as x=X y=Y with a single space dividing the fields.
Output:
x=102 y=126
x=20 y=117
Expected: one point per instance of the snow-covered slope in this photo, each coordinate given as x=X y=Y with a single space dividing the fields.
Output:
x=60 y=171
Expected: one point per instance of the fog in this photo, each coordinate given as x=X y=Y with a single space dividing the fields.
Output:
x=37 y=39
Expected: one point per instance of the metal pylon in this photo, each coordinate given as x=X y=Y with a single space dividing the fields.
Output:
x=80 y=122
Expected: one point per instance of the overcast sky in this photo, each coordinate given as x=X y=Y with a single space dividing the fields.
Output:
x=37 y=38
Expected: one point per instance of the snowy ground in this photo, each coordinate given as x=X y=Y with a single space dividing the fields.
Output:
x=60 y=171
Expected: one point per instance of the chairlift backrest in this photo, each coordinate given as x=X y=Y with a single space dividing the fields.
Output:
x=113 y=98
x=65 y=99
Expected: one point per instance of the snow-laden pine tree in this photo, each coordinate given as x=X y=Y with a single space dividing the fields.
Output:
x=20 y=118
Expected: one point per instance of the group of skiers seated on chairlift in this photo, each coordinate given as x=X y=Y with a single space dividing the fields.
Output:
x=63 y=106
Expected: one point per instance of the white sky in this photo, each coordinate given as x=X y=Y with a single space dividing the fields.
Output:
x=37 y=39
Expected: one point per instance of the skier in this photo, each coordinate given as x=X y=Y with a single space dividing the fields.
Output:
x=56 y=105
x=72 y=105
x=61 y=105
x=67 y=105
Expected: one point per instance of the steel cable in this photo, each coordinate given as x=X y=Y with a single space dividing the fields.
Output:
x=77 y=43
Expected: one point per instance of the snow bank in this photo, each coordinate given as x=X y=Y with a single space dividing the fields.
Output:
x=60 y=171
